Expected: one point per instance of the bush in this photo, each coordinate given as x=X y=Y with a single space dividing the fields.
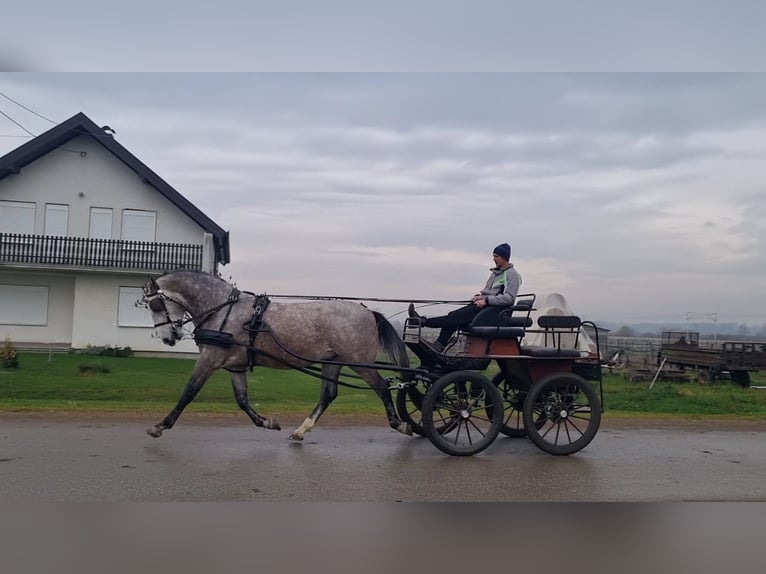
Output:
x=93 y=368
x=107 y=351
x=8 y=355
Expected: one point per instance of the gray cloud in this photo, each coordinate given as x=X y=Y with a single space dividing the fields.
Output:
x=634 y=195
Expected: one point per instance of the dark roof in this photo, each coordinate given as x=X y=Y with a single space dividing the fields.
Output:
x=79 y=125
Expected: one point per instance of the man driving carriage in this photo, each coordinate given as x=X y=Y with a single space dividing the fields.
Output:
x=501 y=290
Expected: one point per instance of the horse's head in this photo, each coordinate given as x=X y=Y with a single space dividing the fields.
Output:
x=167 y=312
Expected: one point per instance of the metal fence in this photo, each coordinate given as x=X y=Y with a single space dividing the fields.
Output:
x=98 y=253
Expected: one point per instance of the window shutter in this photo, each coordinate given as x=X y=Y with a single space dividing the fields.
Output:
x=128 y=315
x=138 y=225
x=100 y=223
x=23 y=305
x=56 y=220
x=17 y=217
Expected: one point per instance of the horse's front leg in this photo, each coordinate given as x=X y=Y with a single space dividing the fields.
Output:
x=200 y=375
x=239 y=383
x=326 y=396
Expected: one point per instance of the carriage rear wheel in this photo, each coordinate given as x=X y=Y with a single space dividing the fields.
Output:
x=513 y=391
x=569 y=410
x=455 y=413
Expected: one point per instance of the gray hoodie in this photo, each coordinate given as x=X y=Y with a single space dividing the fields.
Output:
x=502 y=286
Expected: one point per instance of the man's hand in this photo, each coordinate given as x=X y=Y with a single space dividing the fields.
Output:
x=480 y=303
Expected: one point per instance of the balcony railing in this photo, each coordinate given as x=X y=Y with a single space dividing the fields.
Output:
x=45 y=250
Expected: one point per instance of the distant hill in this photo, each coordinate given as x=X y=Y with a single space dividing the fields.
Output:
x=704 y=329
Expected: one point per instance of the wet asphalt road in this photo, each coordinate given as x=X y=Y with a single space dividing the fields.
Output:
x=56 y=459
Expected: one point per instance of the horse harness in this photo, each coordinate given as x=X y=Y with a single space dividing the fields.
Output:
x=225 y=339
x=219 y=337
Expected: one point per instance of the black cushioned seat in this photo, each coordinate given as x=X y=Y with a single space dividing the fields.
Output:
x=539 y=351
x=499 y=322
x=559 y=321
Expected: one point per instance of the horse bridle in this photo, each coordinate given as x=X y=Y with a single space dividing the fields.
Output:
x=155 y=298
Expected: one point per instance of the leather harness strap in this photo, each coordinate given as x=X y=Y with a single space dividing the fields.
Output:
x=255 y=326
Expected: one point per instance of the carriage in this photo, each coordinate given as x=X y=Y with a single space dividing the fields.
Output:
x=542 y=391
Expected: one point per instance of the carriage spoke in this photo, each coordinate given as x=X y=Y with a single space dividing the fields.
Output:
x=473 y=424
x=571 y=423
x=514 y=417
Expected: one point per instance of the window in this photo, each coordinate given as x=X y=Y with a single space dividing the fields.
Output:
x=128 y=315
x=23 y=305
x=100 y=223
x=56 y=219
x=17 y=217
x=138 y=225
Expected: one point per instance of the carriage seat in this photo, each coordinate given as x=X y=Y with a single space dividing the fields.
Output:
x=540 y=351
x=554 y=326
x=499 y=322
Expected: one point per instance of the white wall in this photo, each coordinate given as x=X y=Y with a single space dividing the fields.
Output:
x=104 y=181
x=60 y=308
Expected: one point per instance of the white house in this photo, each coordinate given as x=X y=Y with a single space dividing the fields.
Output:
x=83 y=223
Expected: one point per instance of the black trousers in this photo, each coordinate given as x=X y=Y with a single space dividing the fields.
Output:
x=450 y=322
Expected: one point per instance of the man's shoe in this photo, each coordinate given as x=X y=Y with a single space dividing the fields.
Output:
x=411 y=311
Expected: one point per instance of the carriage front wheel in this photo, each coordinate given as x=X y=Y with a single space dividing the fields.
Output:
x=455 y=413
x=562 y=413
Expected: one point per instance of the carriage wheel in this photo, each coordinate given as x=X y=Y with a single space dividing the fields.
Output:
x=570 y=412
x=409 y=405
x=741 y=378
x=513 y=391
x=455 y=413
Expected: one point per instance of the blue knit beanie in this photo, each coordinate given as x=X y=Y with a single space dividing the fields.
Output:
x=503 y=250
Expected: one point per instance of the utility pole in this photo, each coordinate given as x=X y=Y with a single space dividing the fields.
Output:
x=711 y=316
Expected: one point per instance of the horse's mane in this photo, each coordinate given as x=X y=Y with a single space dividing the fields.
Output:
x=195 y=273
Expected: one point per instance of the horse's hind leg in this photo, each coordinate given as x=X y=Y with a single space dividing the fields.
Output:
x=326 y=396
x=239 y=383
x=377 y=382
x=200 y=375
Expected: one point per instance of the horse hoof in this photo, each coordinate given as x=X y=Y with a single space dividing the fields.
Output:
x=272 y=424
x=405 y=428
x=296 y=437
x=156 y=432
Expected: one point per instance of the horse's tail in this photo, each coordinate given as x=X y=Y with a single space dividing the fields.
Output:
x=391 y=341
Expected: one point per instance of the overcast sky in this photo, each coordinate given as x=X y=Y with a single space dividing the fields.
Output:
x=637 y=196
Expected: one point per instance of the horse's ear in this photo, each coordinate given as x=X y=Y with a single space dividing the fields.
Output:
x=154 y=286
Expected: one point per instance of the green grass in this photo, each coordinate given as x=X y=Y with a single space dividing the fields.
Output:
x=139 y=383
x=153 y=384
x=719 y=398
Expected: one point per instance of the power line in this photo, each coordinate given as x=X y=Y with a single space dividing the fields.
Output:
x=17 y=123
x=26 y=108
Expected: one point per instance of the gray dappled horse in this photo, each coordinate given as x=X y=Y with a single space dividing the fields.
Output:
x=339 y=332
